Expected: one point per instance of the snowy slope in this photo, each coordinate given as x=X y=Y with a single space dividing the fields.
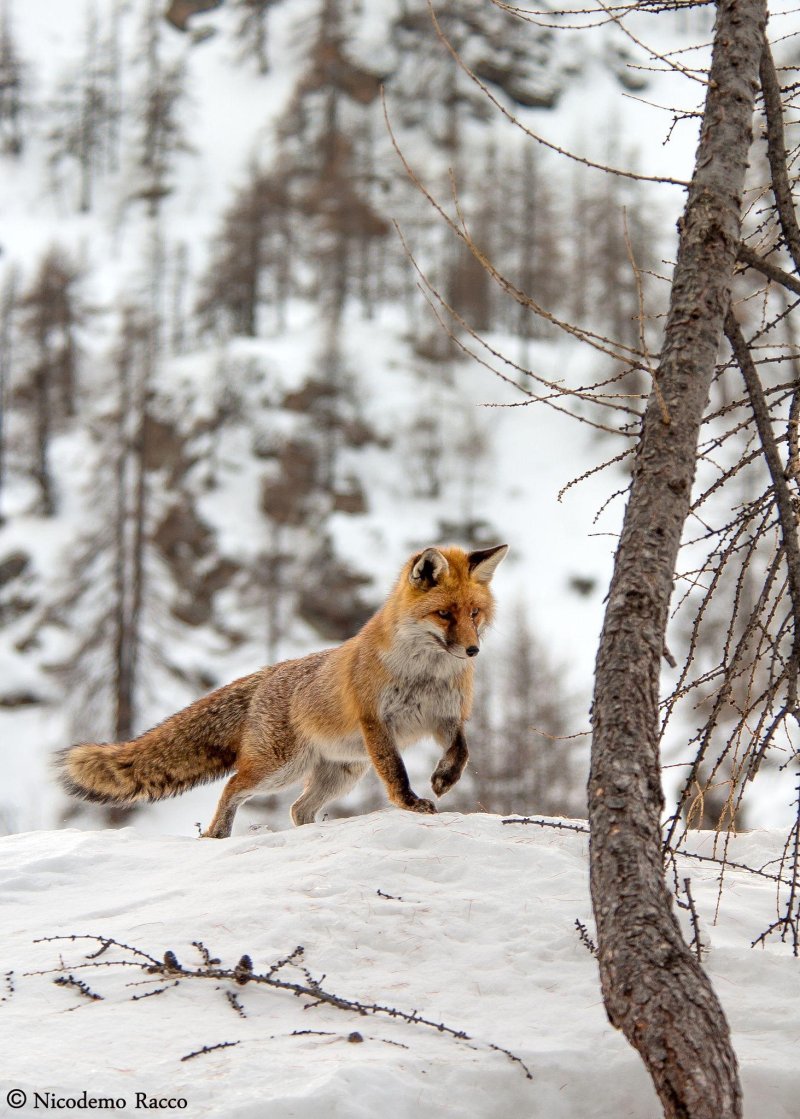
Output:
x=466 y=920
x=229 y=114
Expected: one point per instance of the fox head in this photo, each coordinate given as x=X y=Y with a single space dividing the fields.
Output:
x=446 y=592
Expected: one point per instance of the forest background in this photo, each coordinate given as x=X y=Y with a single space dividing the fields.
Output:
x=239 y=378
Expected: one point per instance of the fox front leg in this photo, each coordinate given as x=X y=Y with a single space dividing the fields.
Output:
x=452 y=763
x=389 y=767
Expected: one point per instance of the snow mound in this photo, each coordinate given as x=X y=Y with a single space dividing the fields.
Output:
x=466 y=920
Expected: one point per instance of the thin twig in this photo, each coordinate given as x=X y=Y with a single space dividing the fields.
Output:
x=210 y=1049
x=311 y=989
x=689 y=905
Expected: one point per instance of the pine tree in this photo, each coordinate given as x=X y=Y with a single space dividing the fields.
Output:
x=52 y=312
x=539 y=759
x=8 y=299
x=144 y=561
x=160 y=136
x=86 y=129
x=323 y=160
x=12 y=86
x=253 y=31
x=428 y=90
x=535 y=242
x=523 y=761
x=251 y=261
x=135 y=366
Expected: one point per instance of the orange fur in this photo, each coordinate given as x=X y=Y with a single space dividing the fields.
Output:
x=323 y=718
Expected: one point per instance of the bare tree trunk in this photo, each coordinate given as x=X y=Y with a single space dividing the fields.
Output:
x=653 y=986
x=43 y=431
x=136 y=363
x=138 y=543
x=123 y=691
x=8 y=298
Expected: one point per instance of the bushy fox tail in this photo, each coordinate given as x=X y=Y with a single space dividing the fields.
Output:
x=197 y=745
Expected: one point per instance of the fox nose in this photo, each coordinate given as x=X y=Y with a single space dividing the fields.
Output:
x=472 y=650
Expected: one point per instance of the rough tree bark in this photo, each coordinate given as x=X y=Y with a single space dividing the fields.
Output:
x=653 y=986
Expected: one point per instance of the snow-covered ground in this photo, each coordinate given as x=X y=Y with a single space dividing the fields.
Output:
x=466 y=920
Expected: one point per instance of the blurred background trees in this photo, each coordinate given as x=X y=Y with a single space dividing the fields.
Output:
x=228 y=409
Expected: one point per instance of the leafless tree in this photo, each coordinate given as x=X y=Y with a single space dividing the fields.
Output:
x=654 y=988
x=650 y=978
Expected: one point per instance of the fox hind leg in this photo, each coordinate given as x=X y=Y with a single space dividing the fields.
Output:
x=239 y=789
x=252 y=777
x=326 y=781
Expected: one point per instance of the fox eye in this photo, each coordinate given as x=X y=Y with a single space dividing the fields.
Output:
x=474 y=613
x=444 y=614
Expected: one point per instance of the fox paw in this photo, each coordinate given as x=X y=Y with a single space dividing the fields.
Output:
x=422 y=805
x=441 y=782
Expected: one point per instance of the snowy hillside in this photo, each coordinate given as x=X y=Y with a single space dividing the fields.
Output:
x=464 y=921
x=229 y=413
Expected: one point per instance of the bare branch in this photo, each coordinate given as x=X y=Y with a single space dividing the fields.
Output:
x=243 y=973
x=752 y=259
x=776 y=154
x=786 y=512
x=533 y=135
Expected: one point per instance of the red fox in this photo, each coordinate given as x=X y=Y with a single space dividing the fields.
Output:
x=323 y=718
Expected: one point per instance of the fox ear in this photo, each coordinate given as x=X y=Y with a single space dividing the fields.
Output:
x=427 y=569
x=482 y=564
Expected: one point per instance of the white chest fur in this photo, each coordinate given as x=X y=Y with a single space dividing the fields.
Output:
x=424 y=695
